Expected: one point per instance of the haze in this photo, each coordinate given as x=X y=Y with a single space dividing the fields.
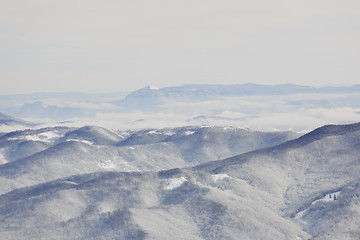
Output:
x=109 y=46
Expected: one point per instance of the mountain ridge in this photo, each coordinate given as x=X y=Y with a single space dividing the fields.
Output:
x=306 y=189
x=253 y=105
x=203 y=92
x=51 y=151
x=12 y=121
x=308 y=138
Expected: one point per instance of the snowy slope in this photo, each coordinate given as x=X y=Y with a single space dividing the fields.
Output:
x=12 y=121
x=34 y=156
x=302 y=173
x=138 y=206
x=94 y=135
x=278 y=192
x=20 y=144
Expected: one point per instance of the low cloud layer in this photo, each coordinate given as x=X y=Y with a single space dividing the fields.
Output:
x=298 y=112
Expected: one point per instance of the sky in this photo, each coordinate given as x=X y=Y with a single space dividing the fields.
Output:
x=101 y=46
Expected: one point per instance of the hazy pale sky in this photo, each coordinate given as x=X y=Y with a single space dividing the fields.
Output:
x=109 y=46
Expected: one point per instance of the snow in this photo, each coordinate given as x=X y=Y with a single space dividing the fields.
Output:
x=154 y=88
x=328 y=197
x=2 y=158
x=168 y=133
x=173 y=183
x=227 y=128
x=69 y=182
x=117 y=163
x=187 y=133
x=106 y=206
x=42 y=137
x=220 y=176
x=50 y=135
x=107 y=164
x=299 y=216
x=107 y=133
x=80 y=140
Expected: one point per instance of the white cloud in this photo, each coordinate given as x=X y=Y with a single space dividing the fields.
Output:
x=298 y=112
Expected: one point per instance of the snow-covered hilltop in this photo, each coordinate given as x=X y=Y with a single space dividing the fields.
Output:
x=49 y=153
x=12 y=121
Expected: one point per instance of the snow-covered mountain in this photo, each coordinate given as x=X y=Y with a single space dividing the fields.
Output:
x=33 y=156
x=150 y=96
x=305 y=188
x=12 y=121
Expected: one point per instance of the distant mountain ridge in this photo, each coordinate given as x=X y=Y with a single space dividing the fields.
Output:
x=150 y=96
x=12 y=121
x=249 y=104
